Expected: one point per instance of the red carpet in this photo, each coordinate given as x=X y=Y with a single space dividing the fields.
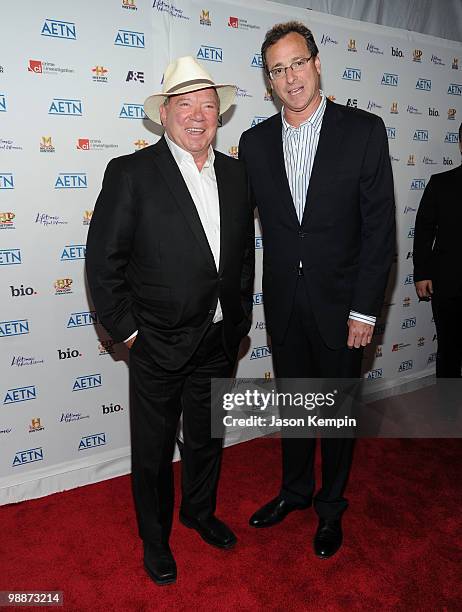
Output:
x=402 y=546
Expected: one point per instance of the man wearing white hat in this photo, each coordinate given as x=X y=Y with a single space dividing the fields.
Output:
x=170 y=264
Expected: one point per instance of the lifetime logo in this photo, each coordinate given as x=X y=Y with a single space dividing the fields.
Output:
x=406 y=365
x=210 y=54
x=2 y=103
x=257 y=61
x=326 y=39
x=71 y=181
x=257 y=120
x=391 y=133
x=451 y=137
x=390 y=79
x=91 y=441
x=67 y=107
x=14 y=328
x=80 y=319
x=20 y=394
x=455 y=89
x=421 y=135
x=258 y=242
x=28 y=456
x=10 y=257
x=257 y=299
x=90 y=381
x=259 y=352
x=73 y=251
x=132 y=111
x=352 y=74
x=126 y=38
x=59 y=29
x=417 y=184
x=377 y=373
x=424 y=84
x=408 y=323
x=6 y=180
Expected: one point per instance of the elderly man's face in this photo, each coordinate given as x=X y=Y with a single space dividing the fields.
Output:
x=191 y=121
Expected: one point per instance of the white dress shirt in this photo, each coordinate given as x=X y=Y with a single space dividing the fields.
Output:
x=202 y=186
x=299 y=145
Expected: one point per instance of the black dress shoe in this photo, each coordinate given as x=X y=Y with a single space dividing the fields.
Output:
x=328 y=538
x=159 y=563
x=212 y=530
x=274 y=512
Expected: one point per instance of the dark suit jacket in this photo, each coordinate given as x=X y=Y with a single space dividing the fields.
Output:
x=346 y=239
x=149 y=264
x=437 y=237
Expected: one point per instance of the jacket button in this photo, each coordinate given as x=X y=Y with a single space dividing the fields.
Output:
x=211 y=311
x=302 y=234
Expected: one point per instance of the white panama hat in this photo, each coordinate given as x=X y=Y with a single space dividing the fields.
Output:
x=184 y=75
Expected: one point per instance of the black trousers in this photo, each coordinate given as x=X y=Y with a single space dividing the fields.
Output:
x=303 y=354
x=446 y=313
x=157 y=399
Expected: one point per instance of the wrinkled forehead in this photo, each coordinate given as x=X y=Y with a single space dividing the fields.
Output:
x=203 y=95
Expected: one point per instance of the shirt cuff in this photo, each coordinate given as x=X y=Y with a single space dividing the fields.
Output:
x=358 y=316
x=132 y=336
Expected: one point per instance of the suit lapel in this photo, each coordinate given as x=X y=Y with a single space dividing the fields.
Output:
x=275 y=154
x=174 y=179
x=325 y=160
x=226 y=206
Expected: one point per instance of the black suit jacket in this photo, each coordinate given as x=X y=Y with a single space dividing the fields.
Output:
x=437 y=237
x=346 y=239
x=149 y=264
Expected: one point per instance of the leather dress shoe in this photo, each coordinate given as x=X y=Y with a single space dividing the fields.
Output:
x=328 y=538
x=159 y=563
x=212 y=530
x=274 y=512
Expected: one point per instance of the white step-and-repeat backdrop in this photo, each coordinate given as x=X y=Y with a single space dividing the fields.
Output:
x=73 y=78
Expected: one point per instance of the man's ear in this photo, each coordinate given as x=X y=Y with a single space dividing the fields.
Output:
x=317 y=64
x=163 y=114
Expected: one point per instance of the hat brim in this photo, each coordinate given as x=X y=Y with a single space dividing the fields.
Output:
x=226 y=95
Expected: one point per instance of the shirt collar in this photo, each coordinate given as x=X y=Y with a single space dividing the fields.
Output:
x=181 y=156
x=315 y=120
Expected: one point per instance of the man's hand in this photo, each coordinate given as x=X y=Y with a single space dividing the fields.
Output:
x=424 y=289
x=129 y=343
x=359 y=334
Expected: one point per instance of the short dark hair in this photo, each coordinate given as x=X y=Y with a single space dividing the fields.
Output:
x=280 y=30
x=460 y=133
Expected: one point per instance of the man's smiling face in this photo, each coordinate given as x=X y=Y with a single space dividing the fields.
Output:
x=191 y=120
